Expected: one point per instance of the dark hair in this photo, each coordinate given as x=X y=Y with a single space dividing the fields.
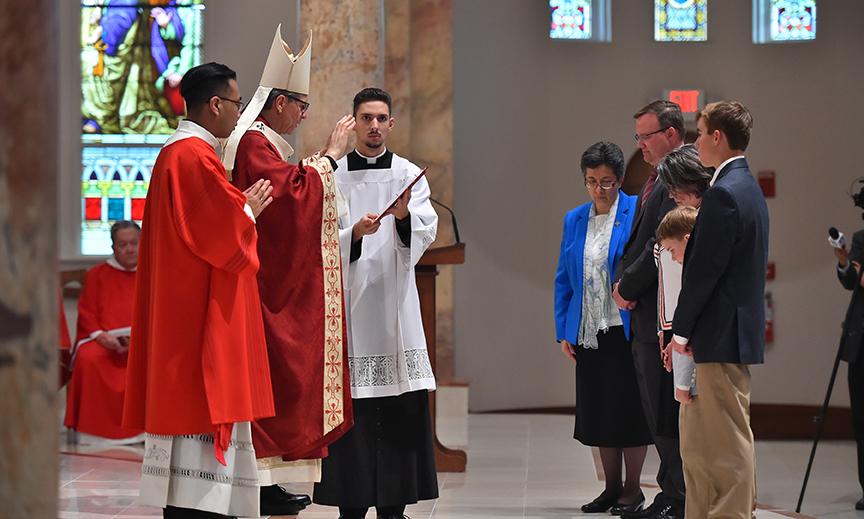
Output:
x=276 y=92
x=668 y=114
x=604 y=154
x=732 y=118
x=681 y=171
x=119 y=225
x=372 y=94
x=677 y=223
x=201 y=83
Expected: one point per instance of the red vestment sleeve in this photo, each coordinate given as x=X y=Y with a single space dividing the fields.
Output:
x=209 y=217
x=89 y=306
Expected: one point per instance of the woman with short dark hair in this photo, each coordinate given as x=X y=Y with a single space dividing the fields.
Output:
x=594 y=334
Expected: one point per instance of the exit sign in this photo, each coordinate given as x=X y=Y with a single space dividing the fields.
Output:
x=691 y=100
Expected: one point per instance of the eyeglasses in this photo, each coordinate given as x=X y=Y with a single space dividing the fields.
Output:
x=643 y=136
x=238 y=102
x=303 y=104
x=605 y=185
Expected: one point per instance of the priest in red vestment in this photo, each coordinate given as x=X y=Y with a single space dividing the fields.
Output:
x=302 y=253
x=198 y=372
x=94 y=398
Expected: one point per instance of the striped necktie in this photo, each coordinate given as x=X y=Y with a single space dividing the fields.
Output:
x=646 y=190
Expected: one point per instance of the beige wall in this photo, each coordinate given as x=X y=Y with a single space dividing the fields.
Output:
x=525 y=108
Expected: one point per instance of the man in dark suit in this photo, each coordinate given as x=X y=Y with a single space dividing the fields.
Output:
x=720 y=320
x=853 y=337
x=659 y=130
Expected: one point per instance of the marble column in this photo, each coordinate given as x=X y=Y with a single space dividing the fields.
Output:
x=346 y=56
x=431 y=73
x=29 y=296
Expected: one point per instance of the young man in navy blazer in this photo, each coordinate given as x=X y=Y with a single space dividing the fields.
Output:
x=720 y=320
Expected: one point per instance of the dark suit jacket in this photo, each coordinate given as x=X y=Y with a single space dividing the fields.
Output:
x=853 y=329
x=637 y=274
x=721 y=308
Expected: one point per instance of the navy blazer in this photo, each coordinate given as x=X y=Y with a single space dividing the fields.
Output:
x=721 y=308
x=568 y=279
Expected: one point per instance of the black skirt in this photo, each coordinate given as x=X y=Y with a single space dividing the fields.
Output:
x=386 y=459
x=608 y=406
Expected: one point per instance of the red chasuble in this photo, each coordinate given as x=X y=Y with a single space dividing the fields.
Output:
x=94 y=398
x=301 y=297
x=197 y=356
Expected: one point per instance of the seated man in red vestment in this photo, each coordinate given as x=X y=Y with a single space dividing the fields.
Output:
x=94 y=400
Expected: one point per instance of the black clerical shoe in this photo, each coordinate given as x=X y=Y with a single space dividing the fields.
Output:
x=603 y=503
x=275 y=500
x=860 y=504
x=635 y=506
x=657 y=510
x=664 y=512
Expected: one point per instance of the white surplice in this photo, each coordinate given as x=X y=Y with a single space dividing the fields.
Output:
x=386 y=343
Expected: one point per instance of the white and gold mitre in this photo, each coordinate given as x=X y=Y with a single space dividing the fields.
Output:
x=284 y=69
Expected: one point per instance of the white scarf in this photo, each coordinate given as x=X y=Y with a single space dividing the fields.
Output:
x=596 y=301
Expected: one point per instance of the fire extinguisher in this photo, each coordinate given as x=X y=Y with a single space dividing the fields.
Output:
x=769 y=317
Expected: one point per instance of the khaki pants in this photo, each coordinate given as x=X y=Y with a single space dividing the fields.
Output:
x=717 y=444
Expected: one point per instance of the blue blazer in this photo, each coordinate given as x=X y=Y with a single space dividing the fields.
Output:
x=568 y=279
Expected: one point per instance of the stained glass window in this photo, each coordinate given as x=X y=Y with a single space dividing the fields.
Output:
x=580 y=20
x=133 y=54
x=784 y=20
x=680 y=20
x=571 y=19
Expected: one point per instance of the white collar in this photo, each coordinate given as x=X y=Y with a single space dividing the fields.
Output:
x=371 y=160
x=187 y=129
x=112 y=262
x=723 y=165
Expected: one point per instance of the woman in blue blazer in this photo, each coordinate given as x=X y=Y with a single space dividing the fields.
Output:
x=595 y=335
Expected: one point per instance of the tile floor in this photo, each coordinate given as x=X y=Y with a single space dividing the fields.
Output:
x=519 y=466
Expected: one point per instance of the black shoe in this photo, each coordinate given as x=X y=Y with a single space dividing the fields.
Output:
x=635 y=506
x=650 y=512
x=603 y=503
x=860 y=504
x=665 y=512
x=275 y=500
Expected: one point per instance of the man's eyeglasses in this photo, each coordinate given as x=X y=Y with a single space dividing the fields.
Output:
x=238 y=102
x=605 y=185
x=643 y=136
x=303 y=104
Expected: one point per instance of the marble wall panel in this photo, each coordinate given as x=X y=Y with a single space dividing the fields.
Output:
x=347 y=55
x=29 y=297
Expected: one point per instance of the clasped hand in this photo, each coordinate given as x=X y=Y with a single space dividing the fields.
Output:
x=622 y=303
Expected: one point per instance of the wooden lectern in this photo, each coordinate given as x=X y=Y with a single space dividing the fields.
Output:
x=446 y=459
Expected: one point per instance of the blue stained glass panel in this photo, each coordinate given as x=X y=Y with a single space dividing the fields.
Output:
x=571 y=19
x=680 y=20
x=793 y=20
